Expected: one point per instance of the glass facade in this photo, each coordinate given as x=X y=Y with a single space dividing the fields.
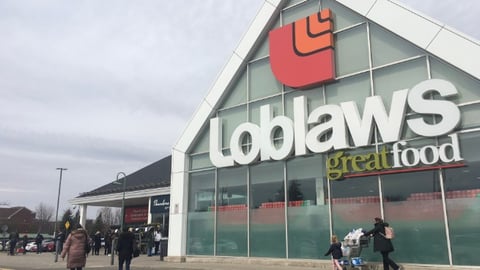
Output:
x=288 y=208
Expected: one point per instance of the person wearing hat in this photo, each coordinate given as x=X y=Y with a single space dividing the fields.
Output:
x=382 y=244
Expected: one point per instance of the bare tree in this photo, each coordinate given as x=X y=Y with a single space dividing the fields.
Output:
x=117 y=216
x=107 y=215
x=110 y=216
x=44 y=212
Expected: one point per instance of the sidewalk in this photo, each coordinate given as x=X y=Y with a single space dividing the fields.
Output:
x=46 y=261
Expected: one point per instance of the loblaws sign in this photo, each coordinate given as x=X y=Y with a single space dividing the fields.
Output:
x=344 y=124
x=301 y=57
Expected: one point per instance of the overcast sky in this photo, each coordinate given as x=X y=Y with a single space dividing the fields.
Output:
x=100 y=87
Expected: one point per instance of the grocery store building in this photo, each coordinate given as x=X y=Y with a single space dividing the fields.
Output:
x=328 y=114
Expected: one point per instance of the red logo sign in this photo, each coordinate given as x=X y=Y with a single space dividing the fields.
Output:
x=301 y=53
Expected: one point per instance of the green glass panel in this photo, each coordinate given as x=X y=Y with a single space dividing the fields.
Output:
x=275 y=105
x=307 y=210
x=388 y=47
x=238 y=94
x=355 y=202
x=355 y=88
x=200 y=233
x=202 y=143
x=470 y=115
x=343 y=17
x=267 y=210
x=351 y=50
x=293 y=2
x=462 y=192
x=201 y=191
x=466 y=85
x=200 y=219
x=262 y=82
x=263 y=48
x=314 y=99
x=413 y=207
x=299 y=11
x=200 y=161
x=231 y=119
x=398 y=77
x=232 y=212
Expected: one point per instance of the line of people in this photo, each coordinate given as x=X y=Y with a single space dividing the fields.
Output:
x=14 y=239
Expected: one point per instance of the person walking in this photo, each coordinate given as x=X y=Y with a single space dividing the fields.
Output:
x=24 y=244
x=60 y=241
x=13 y=237
x=336 y=251
x=150 y=241
x=108 y=243
x=75 y=248
x=157 y=239
x=38 y=242
x=382 y=244
x=97 y=242
x=125 y=246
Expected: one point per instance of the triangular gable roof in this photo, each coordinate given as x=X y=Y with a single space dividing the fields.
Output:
x=426 y=33
x=9 y=213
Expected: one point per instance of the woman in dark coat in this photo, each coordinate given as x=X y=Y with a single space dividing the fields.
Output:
x=125 y=246
x=74 y=247
x=382 y=244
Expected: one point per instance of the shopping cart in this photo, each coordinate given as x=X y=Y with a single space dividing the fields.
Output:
x=352 y=246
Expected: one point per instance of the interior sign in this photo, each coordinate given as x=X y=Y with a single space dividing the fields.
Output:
x=344 y=124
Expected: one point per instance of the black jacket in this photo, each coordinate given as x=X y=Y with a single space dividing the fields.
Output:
x=380 y=243
x=336 y=250
x=125 y=245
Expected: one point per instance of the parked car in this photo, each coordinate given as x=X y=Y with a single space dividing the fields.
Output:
x=47 y=246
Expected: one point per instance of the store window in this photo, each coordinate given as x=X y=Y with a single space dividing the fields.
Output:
x=466 y=85
x=267 y=210
x=462 y=192
x=308 y=219
x=299 y=11
x=231 y=119
x=262 y=83
x=344 y=17
x=413 y=206
x=354 y=47
x=388 y=48
x=232 y=212
x=200 y=220
x=355 y=202
x=237 y=93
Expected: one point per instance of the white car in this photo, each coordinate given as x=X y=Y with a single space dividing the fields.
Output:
x=31 y=245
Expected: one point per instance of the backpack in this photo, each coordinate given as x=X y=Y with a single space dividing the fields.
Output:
x=389 y=233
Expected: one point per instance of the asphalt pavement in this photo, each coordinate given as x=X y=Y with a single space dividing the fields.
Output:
x=45 y=261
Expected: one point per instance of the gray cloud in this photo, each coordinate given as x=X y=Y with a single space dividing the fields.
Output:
x=100 y=87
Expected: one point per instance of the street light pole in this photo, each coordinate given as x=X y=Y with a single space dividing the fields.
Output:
x=124 y=182
x=56 y=215
x=123 y=198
